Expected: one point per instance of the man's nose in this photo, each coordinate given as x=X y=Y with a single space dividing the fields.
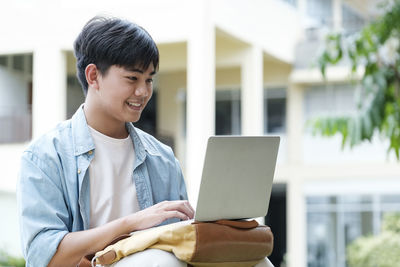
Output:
x=141 y=90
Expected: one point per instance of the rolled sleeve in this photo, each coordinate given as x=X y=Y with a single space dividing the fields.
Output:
x=43 y=212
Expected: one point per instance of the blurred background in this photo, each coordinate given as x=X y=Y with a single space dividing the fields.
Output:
x=227 y=67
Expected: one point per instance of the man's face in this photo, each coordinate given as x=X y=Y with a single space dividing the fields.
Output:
x=125 y=92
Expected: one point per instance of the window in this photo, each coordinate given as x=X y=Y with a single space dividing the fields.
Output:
x=19 y=62
x=292 y=2
x=274 y=110
x=320 y=11
x=333 y=99
x=334 y=221
x=352 y=21
x=16 y=98
x=3 y=60
x=15 y=123
x=227 y=112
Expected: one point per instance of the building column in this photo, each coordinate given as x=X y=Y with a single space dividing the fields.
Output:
x=302 y=7
x=296 y=223
x=295 y=123
x=49 y=89
x=296 y=209
x=252 y=92
x=337 y=15
x=200 y=106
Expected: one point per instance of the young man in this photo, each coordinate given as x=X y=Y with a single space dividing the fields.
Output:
x=95 y=177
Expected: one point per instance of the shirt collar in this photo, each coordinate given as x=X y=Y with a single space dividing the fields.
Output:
x=81 y=136
x=83 y=141
x=141 y=146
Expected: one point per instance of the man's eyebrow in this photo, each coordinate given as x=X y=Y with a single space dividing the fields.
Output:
x=140 y=71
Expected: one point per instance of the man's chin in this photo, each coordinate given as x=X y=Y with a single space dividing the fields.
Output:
x=134 y=120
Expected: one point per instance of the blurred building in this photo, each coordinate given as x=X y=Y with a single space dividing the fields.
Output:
x=227 y=67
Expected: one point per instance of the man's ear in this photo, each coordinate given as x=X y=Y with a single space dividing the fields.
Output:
x=92 y=76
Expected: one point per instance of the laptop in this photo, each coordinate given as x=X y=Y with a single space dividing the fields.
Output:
x=237 y=177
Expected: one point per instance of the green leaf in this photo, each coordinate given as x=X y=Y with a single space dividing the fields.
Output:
x=379 y=100
x=367 y=129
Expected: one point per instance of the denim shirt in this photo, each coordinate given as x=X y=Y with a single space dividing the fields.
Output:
x=53 y=190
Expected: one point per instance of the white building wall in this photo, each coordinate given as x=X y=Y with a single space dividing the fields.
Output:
x=273 y=25
x=9 y=238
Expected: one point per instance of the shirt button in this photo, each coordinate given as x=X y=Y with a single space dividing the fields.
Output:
x=79 y=171
x=90 y=152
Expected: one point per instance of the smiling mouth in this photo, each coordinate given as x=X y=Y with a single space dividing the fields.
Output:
x=135 y=105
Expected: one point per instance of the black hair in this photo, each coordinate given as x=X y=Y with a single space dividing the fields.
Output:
x=113 y=41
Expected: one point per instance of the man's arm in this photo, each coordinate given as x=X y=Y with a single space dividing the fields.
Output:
x=76 y=245
x=45 y=218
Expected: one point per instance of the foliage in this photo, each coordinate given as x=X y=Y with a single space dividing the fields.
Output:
x=376 y=48
x=11 y=261
x=381 y=250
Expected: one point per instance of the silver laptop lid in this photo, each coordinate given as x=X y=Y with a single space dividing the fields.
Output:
x=237 y=177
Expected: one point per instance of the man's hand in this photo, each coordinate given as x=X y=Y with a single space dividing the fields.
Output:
x=160 y=212
x=75 y=245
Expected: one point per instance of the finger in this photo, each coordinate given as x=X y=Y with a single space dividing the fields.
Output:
x=190 y=208
x=176 y=214
x=182 y=206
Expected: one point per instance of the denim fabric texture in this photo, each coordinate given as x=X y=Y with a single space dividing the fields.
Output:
x=53 y=190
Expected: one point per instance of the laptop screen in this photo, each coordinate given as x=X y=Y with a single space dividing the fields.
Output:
x=237 y=177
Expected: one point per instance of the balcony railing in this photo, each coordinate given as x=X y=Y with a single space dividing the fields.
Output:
x=15 y=124
x=307 y=51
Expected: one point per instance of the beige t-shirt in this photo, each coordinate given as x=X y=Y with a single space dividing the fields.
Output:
x=112 y=189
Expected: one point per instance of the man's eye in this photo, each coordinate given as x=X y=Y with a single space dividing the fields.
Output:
x=132 y=78
x=149 y=80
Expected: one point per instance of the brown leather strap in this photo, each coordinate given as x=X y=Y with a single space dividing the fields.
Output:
x=86 y=261
x=107 y=257
x=239 y=224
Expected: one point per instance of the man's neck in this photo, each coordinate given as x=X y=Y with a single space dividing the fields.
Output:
x=97 y=119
